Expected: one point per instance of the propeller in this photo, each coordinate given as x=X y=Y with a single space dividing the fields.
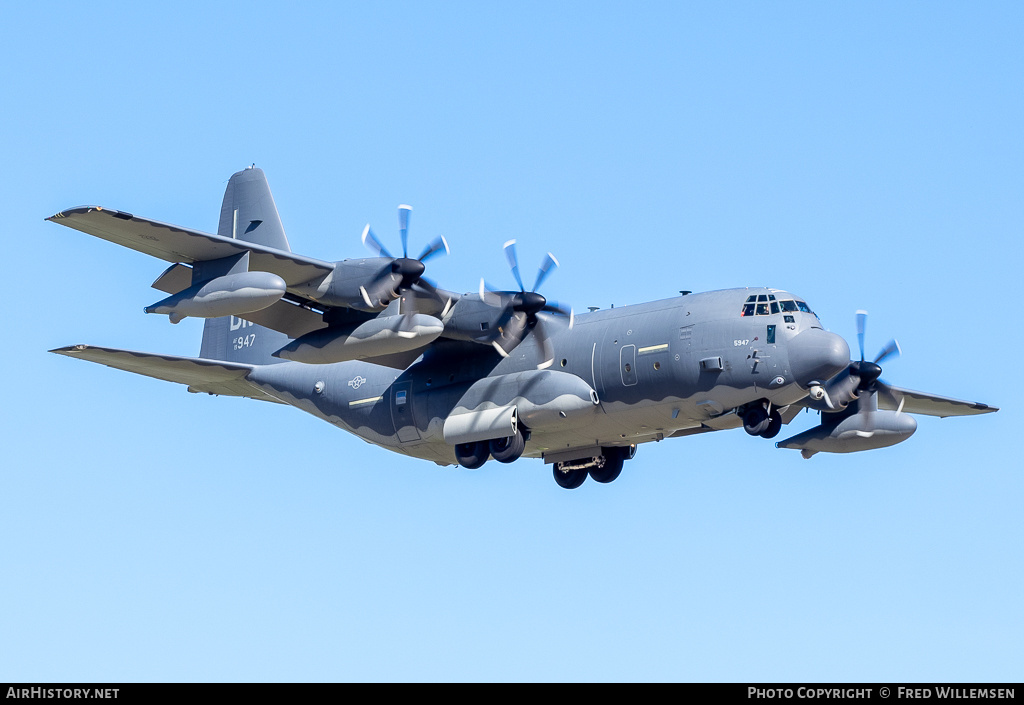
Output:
x=408 y=272
x=863 y=375
x=869 y=372
x=527 y=310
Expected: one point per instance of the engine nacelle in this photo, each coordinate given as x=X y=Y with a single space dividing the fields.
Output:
x=368 y=284
x=836 y=394
x=474 y=319
x=856 y=432
x=229 y=295
x=384 y=335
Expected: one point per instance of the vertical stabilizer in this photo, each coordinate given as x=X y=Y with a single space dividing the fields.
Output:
x=247 y=213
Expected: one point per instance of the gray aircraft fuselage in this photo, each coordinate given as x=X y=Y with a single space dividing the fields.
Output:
x=659 y=369
x=501 y=374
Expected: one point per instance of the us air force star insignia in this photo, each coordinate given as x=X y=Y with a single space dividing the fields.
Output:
x=356 y=382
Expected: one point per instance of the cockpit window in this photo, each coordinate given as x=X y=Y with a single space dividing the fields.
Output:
x=767 y=304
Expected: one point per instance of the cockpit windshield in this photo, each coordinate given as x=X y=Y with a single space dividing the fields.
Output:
x=768 y=304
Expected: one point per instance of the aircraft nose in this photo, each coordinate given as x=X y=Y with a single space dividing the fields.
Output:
x=816 y=355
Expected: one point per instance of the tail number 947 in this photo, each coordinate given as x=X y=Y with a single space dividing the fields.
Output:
x=738 y=343
x=243 y=341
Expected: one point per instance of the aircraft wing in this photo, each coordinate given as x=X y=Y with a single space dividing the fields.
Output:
x=210 y=376
x=176 y=244
x=930 y=404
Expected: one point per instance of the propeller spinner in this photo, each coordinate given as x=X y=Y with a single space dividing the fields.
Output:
x=404 y=272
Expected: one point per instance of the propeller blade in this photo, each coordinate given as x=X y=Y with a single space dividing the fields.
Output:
x=491 y=296
x=547 y=350
x=403 y=227
x=513 y=262
x=545 y=267
x=895 y=399
x=558 y=309
x=427 y=285
x=433 y=248
x=373 y=244
x=891 y=348
x=408 y=308
x=862 y=321
x=510 y=333
x=554 y=322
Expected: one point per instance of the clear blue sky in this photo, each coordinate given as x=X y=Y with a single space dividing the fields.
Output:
x=862 y=155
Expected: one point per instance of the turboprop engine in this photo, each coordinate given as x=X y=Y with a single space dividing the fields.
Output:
x=228 y=295
x=373 y=283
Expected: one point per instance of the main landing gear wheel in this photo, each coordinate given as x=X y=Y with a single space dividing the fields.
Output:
x=774 y=425
x=613 y=461
x=472 y=455
x=756 y=420
x=571 y=479
x=507 y=450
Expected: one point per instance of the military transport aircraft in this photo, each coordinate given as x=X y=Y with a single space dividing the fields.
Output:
x=374 y=347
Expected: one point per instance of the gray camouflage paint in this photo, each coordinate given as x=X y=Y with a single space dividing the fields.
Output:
x=620 y=376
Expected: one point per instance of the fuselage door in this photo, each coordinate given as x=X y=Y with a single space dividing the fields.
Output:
x=401 y=412
x=627 y=364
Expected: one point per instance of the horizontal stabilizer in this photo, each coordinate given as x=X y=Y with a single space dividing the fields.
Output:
x=930 y=404
x=176 y=244
x=209 y=376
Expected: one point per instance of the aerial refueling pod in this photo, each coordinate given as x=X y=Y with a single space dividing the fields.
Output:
x=228 y=295
x=384 y=335
x=856 y=432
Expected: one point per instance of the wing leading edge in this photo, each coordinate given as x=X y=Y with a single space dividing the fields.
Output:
x=930 y=404
x=173 y=243
x=209 y=376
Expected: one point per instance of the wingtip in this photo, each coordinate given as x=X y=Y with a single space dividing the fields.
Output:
x=69 y=349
